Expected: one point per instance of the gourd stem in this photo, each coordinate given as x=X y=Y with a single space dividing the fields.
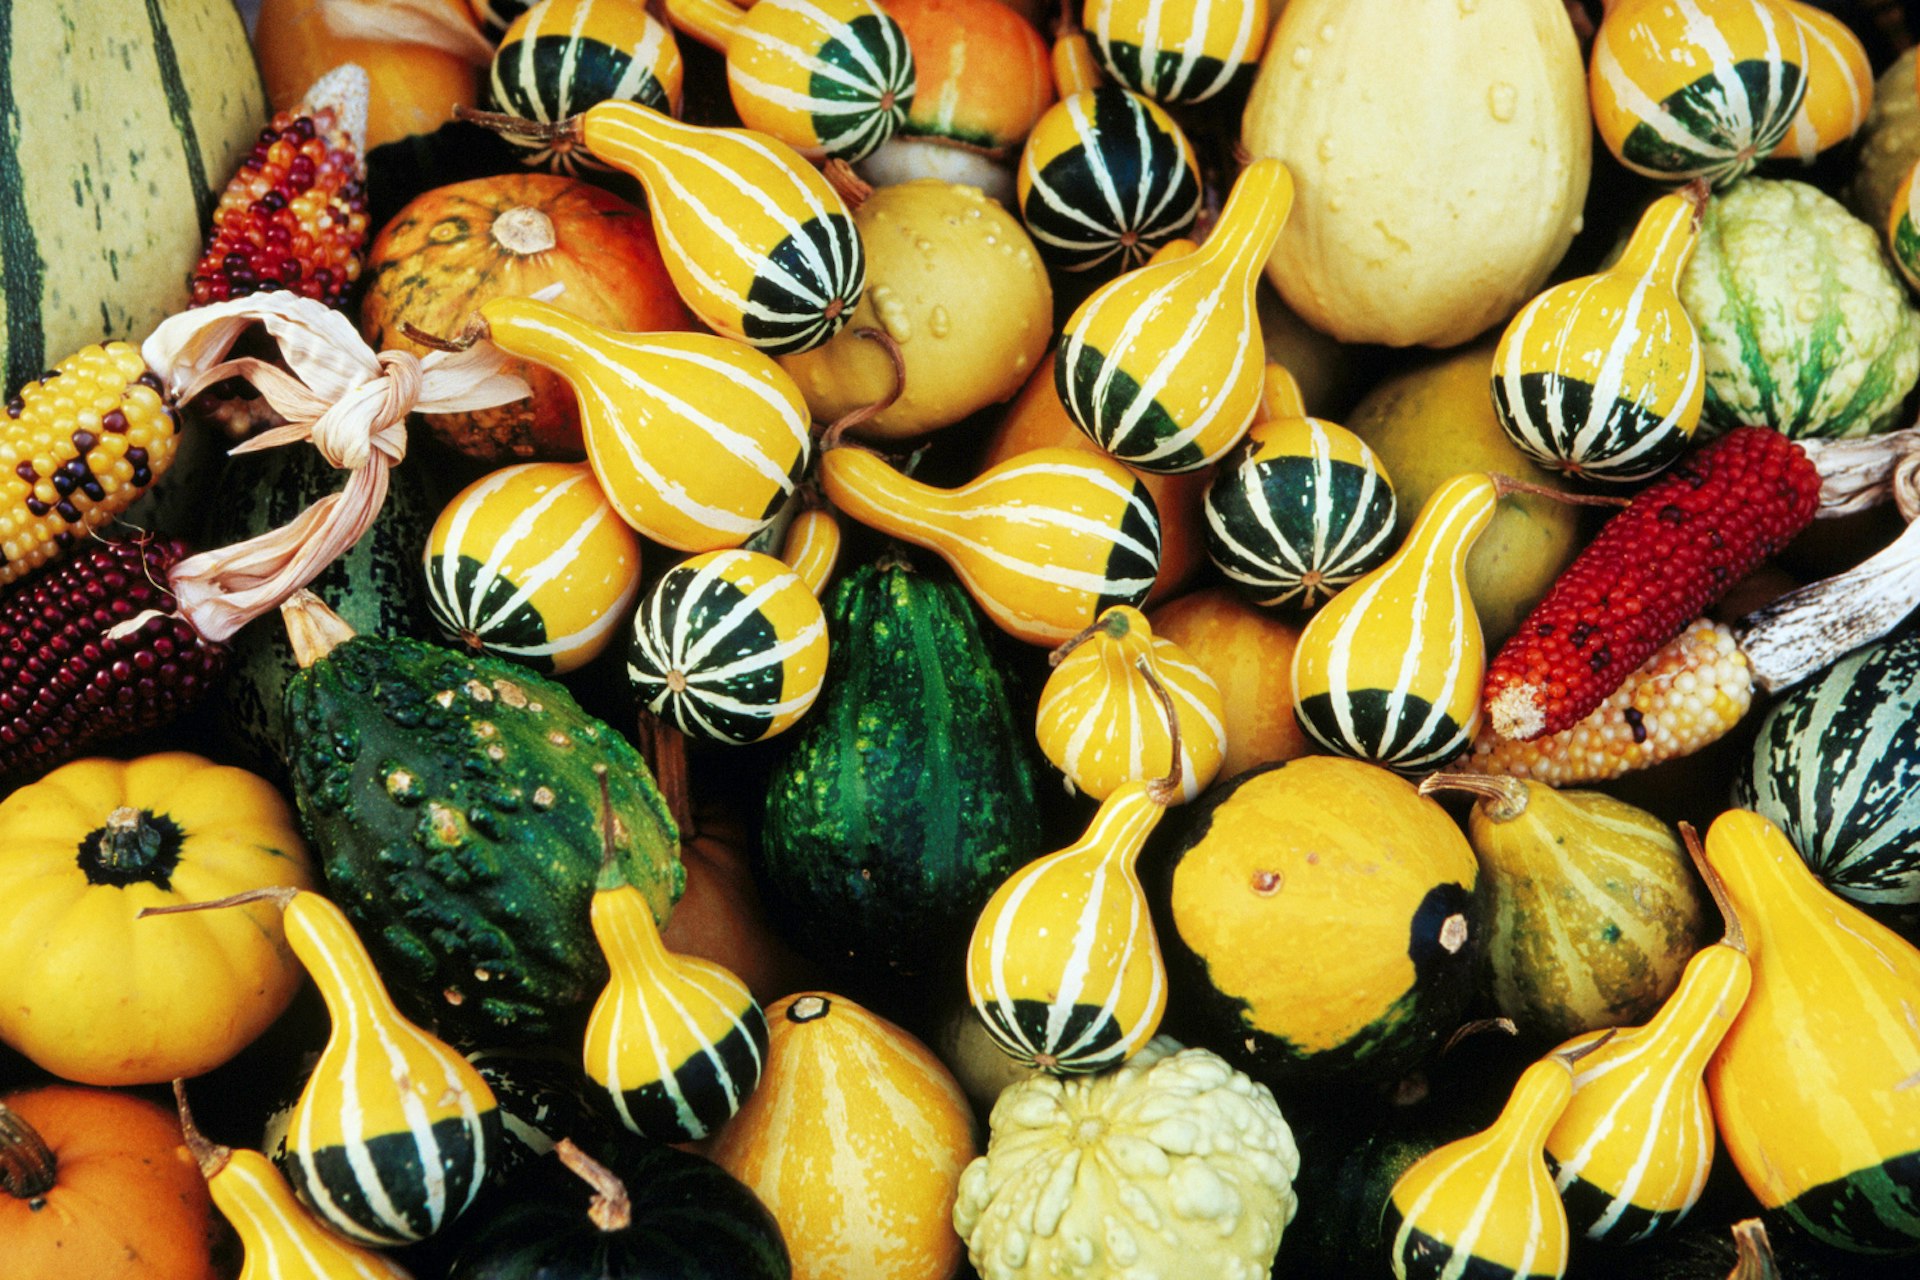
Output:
x=1573 y=1055
x=1164 y=791
x=1505 y=798
x=524 y=231
x=1736 y=934
x=475 y=329
x=664 y=748
x=211 y=1156
x=1467 y=1030
x=28 y=1169
x=808 y=1009
x=1504 y=484
x=611 y=1209
x=848 y=185
x=1754 y=1252
x=1113 y=623
x=562 y=131
x=313 y=630
x=133 y=845
x=830 y=438
x=278 y=894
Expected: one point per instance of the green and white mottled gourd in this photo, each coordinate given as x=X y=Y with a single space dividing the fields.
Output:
x=1301 y=509
x=562 y=56
x=1837 y=767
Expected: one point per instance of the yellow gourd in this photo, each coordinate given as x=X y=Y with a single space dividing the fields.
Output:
x=1177 y=50
x=812 y=547
x=1839 y=85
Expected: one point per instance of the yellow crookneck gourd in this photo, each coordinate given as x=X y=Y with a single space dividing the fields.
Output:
x=1163 y=367
x=1390 y=669
x=1814 y=1086
x=1043 y=542
x=1603 y=376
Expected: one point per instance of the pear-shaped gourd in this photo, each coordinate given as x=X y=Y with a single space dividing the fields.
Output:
x=1100 y=720
x=830 y=78
x=1602 y=376
x=1814 y=1086
x=1163 y=367
x=1301 y=509
x=696 y=440
x=1390 y=670
x=1044 y=542
x=1839 y=85
x=1485 y=1205
x=1177 y=50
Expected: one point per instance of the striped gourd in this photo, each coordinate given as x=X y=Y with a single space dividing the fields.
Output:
x=1903 y=229
x=811 y=547
x=1301 y=509
x=1101 y=722
x=1697 y=88
x=1485 y=1206
x=757 y=243
x=1810 y=1087
x=830 y=78
x=1839 y=85
x=1603 y=376
x=1181 y=51
x=1163 y=366
x=562 y=56
x=1044 y=542
x=1390 y=670
x=730 y=646
x=530 y=563
x=1064 y=968
x=696 y=440
x=677 y=1042
x=1836 y=765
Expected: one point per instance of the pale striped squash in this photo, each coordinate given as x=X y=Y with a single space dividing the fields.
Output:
x=1839 y=85
x=1043 y=542
x=757 y=243
x=830 y=78
x=730 y=646
x=696 y=441
x=1181 y=51
x=530 y=563
x=562 y=56
x=1603 y=376
x=1064 y=967
x=1102 y=725
x=1696 y=88
x=279 y=1239
x=1390 y=670
x=1301 y=508
x=1163 y=366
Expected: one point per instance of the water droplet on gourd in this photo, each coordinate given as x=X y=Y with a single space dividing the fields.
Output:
x=1301 y=56
x=1327 y=33
x=939 y=322
x=1501 y=100
x=1326 y=149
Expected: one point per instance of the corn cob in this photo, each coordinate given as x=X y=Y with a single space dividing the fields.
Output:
x=77 y=447
x=92 y=650
x=1683 y=541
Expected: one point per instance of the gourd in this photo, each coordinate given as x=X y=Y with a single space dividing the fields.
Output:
x=512 y=234
x=1591 y=908
x=119 y=145
x=832 y=80
x=1249 y=655
x=1424 y=226
x=1806 y=1087
x=1903 y=234
x=1889 y=143
x=1301 y=508
x=1196 y=1174
x=1043 y=542
x=1163 y=367
x=1390 y=670
x=1839 y=85
x=93 y=995
x=855 y=1141
x=721 y=916
x=562 y=56
x=91 y=1185
x=415 y=85
x=1185 y=52
x=1700 y=91
x=1602 y=376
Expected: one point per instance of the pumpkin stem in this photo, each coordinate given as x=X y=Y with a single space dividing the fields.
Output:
x=1503 y=798
x=831 y=437
x=664 y=748
x=1736 y=934
x=135 y=846
x=611 y=1209
x=278 y=894
x=524 y=231
x=846 y=184
x=211 y=1156
x=27 y=1166
x=313 y=630
x=1504 y=484
x=1754 y=1252
x=808 y=1009
x=564 y=132
x=473 y=331
x=1164 y=792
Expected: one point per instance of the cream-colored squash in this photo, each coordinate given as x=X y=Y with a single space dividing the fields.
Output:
x=1440 y=154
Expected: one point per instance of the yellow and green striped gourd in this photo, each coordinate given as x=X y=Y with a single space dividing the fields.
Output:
x=1102 y=725
x=1043 y=542
x=1177 y=50
x=830 y=78
x=1603 y=376
x=1163 y=366
x=1696 y=88
x=1390 y=670
x=759 y=247
x=1301 y=508
x=562 y=56
x=730 y=646
x=1839 y=85
x=696 y=440
x=1484 y=1206
x=531 y=563
x=1903 y=230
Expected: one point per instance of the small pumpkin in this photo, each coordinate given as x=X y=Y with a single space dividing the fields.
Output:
x=1249 y=655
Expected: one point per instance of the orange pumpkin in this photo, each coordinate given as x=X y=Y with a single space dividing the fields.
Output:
x=98 y=1186
x=458 y=246
x=1250 y=656
x=720 y=916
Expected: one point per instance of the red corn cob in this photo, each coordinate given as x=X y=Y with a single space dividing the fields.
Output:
x=69 y=679
x=1655 y=567
x=294 y=215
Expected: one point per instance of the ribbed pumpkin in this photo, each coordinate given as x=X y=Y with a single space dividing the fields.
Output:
x=1185 y=51
x=855 y=1140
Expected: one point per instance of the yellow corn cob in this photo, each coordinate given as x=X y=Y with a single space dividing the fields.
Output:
x=77 y=447
x=1686 y=696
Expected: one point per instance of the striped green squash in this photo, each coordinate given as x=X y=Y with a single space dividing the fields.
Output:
x=123 y=123
x=1837 y=767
